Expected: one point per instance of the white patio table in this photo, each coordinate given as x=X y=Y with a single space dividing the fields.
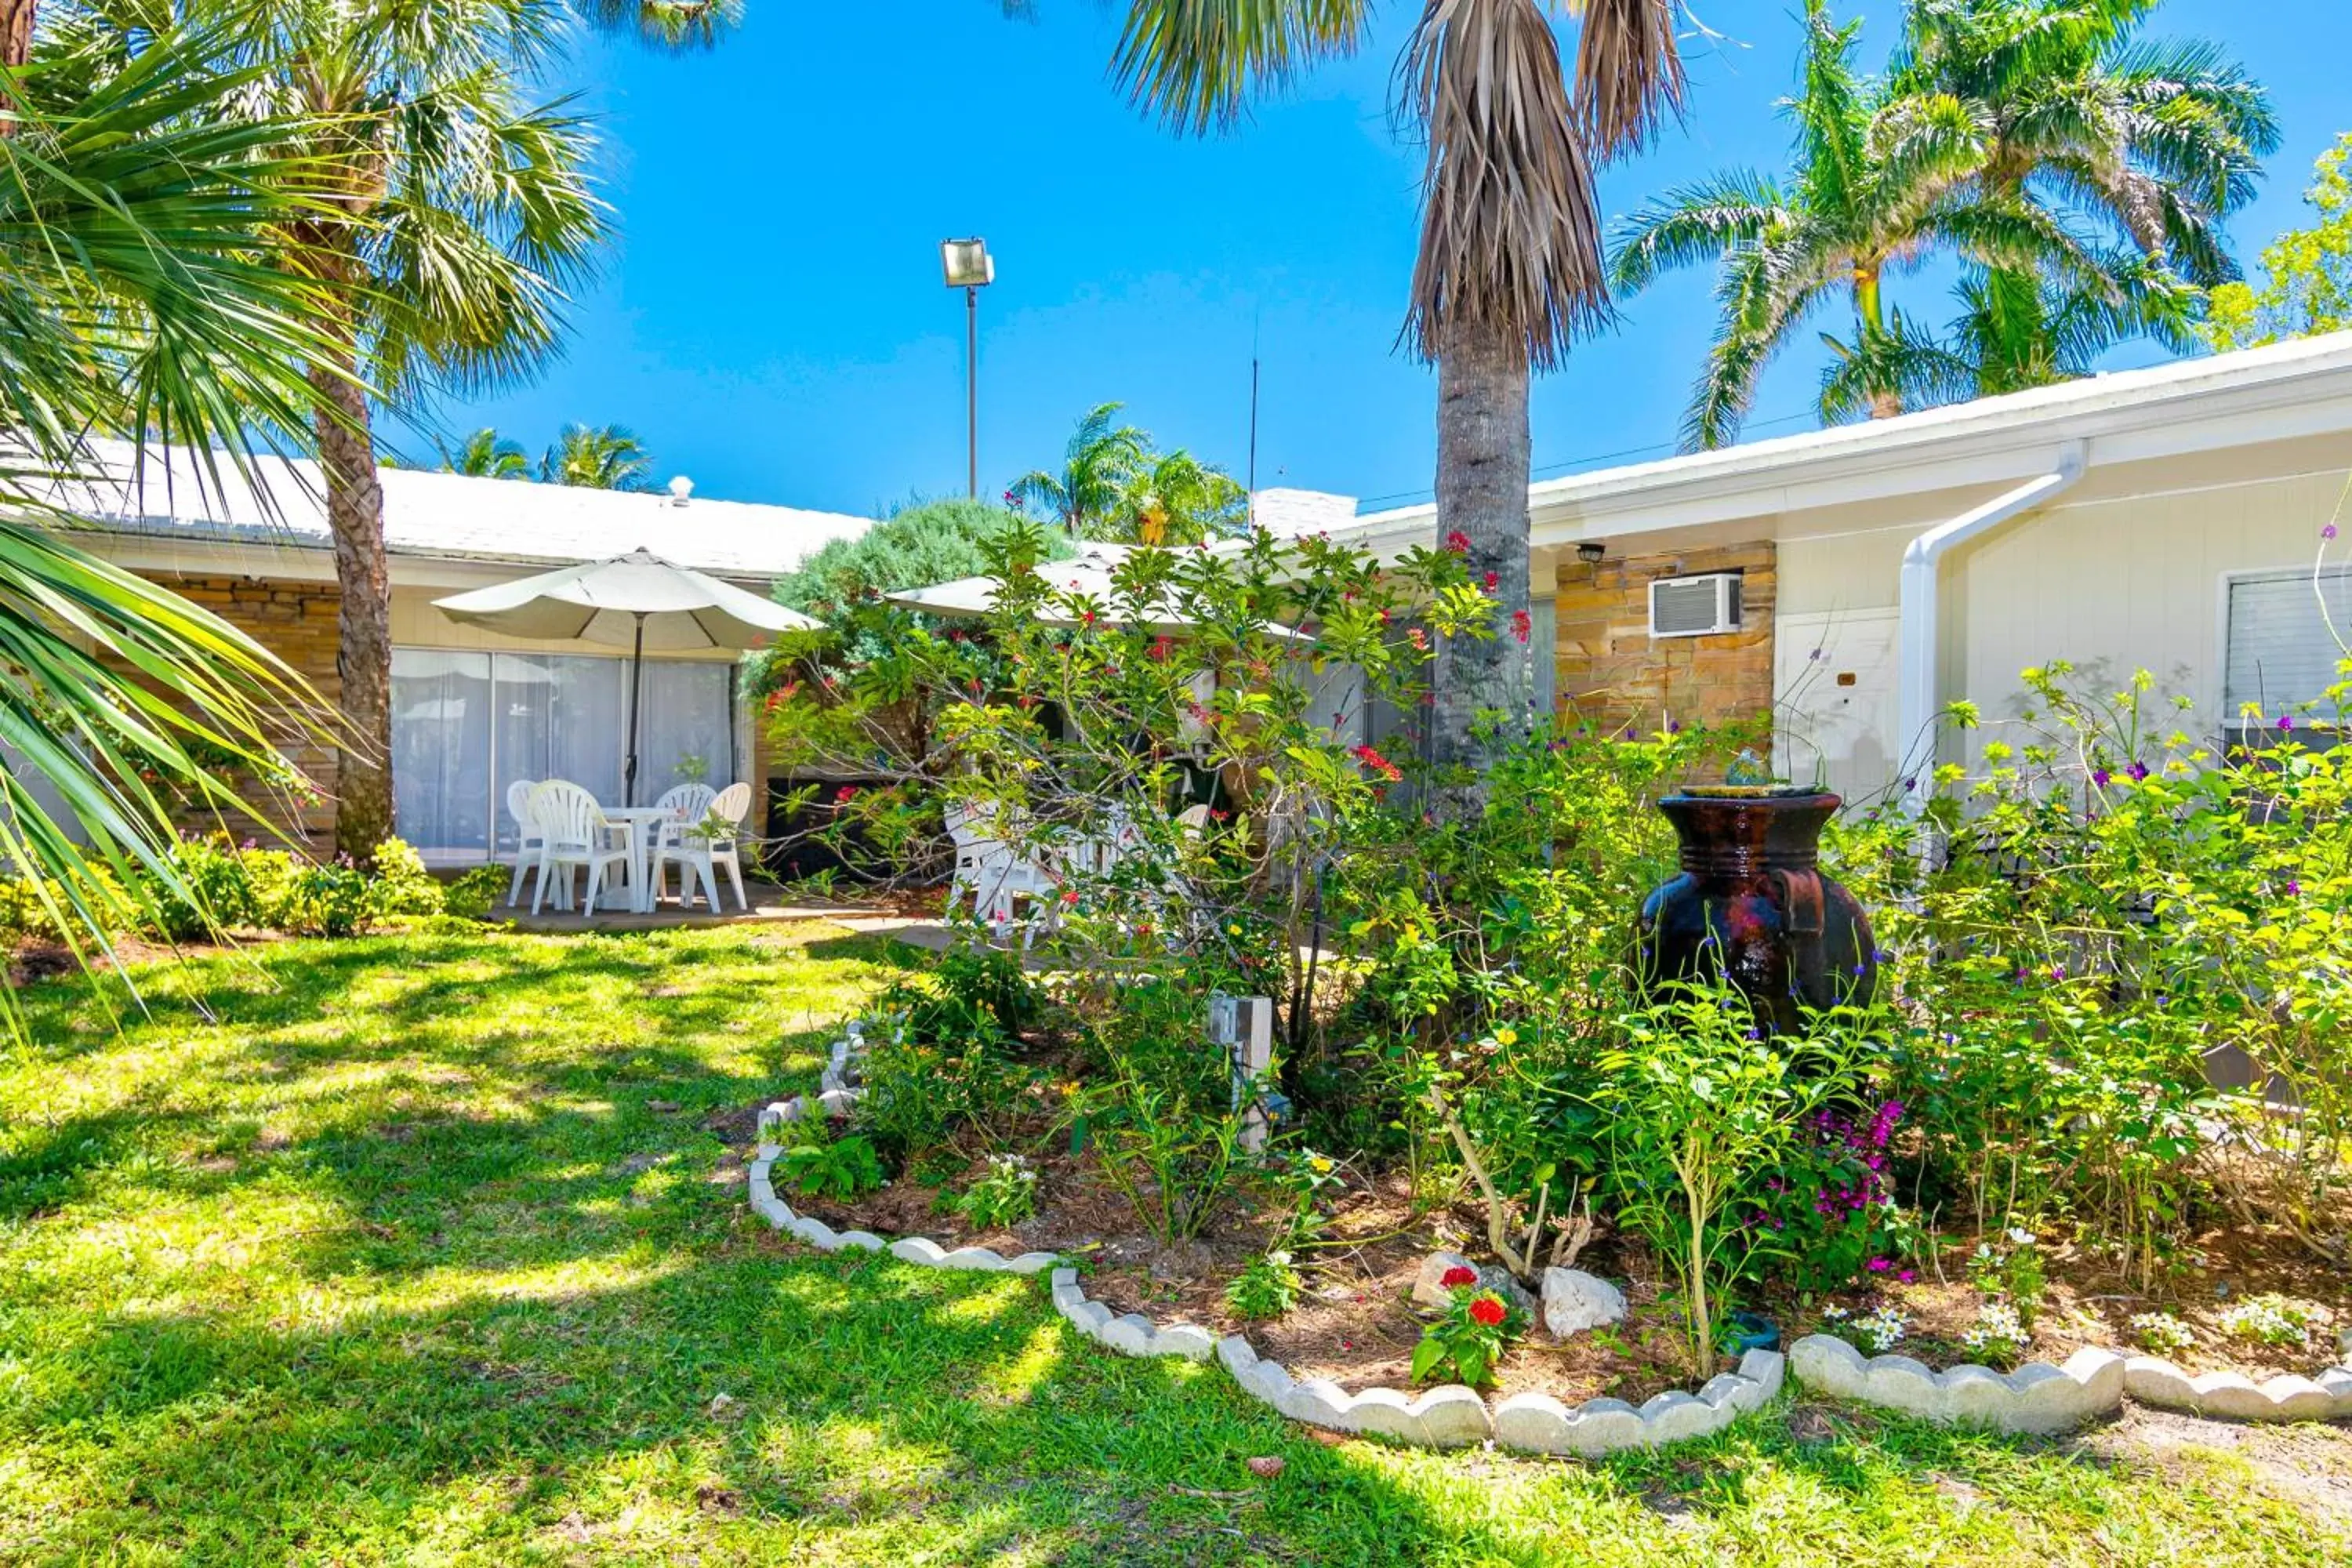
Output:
x=644 y=825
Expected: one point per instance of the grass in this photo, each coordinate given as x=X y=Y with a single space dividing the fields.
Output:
x=418 y=1250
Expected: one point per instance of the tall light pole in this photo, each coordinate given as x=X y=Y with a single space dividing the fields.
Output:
x=968 y=266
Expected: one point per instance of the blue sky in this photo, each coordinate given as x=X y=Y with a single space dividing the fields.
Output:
x=771 y=320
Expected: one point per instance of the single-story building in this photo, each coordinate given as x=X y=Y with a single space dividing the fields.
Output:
x=472 y=710
x=1854 y=581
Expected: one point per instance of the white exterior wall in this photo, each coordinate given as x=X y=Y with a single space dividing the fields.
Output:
x=2128 y=572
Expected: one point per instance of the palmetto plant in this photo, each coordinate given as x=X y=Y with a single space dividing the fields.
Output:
x=462 y=209
x=1100 y=463
x=597 y=457
x=137 y=294
x=1511 y=265
x=1176 y=498
x=487 y=455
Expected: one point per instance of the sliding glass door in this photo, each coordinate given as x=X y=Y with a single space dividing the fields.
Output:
x=467 y=724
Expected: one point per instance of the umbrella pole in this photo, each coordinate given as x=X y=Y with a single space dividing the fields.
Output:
x=636 y=687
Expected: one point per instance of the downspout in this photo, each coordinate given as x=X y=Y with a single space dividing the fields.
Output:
x=1917 y=703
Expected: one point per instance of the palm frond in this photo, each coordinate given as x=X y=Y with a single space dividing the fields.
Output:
x=1629 y=73
x=1510 y=229
x=1699 y=223
x=1197 y=63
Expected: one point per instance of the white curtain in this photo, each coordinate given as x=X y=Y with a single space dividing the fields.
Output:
x=441 y=723
x=465 y=725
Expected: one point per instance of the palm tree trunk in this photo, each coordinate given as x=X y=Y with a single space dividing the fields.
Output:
x=363 y=809
x=1870 y=309
x=15 y=48
x=1484 y=687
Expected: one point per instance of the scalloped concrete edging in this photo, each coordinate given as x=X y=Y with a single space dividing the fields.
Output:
x=1449 y=1417
x=2328 y=1396
x=2036 y=1398
x=912 y=1248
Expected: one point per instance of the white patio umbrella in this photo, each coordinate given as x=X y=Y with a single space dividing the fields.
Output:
x=638 y=601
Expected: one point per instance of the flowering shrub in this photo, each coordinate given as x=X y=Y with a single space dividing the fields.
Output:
x=1877 y=1331
x=1999 y=1336
x=1827 y=1216
x=1476 y=1327
x=1006 y=1194
x=2162 y=1333
x=2271 y=1321
x=2013 y=1271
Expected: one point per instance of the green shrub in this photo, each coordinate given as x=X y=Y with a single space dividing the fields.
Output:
x=401 y=886
x=1266 y=1288
x=1004 y=1194
x=331 y=900
x=475 y=893
x=842 y=1169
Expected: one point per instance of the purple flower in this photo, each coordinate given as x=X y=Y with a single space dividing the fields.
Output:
x=2294 y=888
x=2100 y=777
x=2138 y=772
x=2328 y=532
x=2285 y=723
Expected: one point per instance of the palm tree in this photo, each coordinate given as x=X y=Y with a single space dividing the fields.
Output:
x=1098 y=465
x=1173 y=497
x=2161 y=140
x=136 y=295
x=1879 y=186
x=1510 y=266
x=485 y=455
x=597 y=457
x=462 y=210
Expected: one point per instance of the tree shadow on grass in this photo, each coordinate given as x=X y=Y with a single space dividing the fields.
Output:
x=511 y=1337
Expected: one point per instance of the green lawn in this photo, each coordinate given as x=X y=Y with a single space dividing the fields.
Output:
x=419 y=1250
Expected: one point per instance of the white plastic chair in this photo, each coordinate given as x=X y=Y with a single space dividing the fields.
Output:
x=529 y=841
x=575 y=832
x=987 y=871
x=710 y=841
x=684 y=805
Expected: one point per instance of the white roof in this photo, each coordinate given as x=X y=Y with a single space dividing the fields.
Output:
x=449 y=516
x=2279 y=393
x=1294 y=514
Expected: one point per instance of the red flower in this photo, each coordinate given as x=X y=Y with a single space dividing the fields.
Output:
x=1493 y=578
x=1457 y=1274
x=845 y=793
x=1160 y=647
x=1520 y=625
x=1418 y=637
x=1458 y=543
x=1488 y=1310
x=1069 y=895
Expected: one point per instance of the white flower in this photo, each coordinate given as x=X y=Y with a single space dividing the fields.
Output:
x=2021 y=1237
x=1884 y=1329
x=1984 y=1249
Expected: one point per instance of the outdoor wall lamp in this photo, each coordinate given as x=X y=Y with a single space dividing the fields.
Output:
x=1592 y=552
x=966 y=265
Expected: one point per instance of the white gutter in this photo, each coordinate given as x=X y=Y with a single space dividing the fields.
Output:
x=1917 y=686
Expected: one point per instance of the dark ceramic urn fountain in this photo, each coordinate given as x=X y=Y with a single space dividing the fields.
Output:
x=1751 y=905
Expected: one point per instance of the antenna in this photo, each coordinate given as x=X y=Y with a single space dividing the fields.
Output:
x=1255 y=319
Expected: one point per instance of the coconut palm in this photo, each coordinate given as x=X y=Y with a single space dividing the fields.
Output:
x=137 y=294
x=1878 y=186
x=1173 y=497
x=486 y=454
x=1098 y=465
x=1510 y=266
x=597 y=457
x=2162 y=140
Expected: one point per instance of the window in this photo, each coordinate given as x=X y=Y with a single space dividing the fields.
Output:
x=467 y=724
x=2287 y=641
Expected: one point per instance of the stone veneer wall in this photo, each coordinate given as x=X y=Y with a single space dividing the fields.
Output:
x=1611 y=673
x=296 y=621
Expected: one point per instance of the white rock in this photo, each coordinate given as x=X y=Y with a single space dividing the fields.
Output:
x=1236 y=1353
x=1600 y=1427
x=1674 y=1415
x=1428 y=1293
x=920 y=1249
x=1319 y=1402
x=1574 y=1302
